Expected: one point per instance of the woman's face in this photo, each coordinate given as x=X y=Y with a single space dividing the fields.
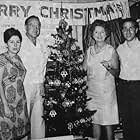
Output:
x=129 y=31
x=14 y=44
x=99 y=34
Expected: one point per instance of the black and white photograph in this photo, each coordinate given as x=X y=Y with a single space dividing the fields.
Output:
x=69 y=69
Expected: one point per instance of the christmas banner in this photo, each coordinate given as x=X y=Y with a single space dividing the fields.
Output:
x=13 y=14
x=75 y=13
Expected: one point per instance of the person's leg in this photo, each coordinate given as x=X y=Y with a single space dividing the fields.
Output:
x=127 y=121
x=28 y=90
x=109 y=132
x=125 y=108
x=37 y=123
x=96 y=131
x=135 y=119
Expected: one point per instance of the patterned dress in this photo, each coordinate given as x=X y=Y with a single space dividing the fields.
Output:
x=17 y=126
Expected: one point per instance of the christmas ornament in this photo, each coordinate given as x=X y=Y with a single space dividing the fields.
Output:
x=65 y=52
x=70 y=126
x=57 y=82
x=50 y=82
x=82 y=120
x=55 y=45
x=68 y=84
x=64 y=73
x=63 y=95
x=79 y=110
x=80 y=58
x=75 y=81
x=76 y=123
x=80 y=90
x=66 y=103
x=58 y=39
x=63 y=24
x=52 y=113
x=73 y=47
x=80 y=81
x=60 y=59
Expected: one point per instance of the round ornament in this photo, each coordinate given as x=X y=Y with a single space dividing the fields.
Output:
x=70 y=126
x=50 y=82
x=63 y=95
x=52 y=113
x=65 y=52
x=73 y=47
x=57 y=82
x=58 y=40
x=80 y=58
x=64 y=73
x=68 y=84
x=66 y=103
x=79 y=109
x=82 y=120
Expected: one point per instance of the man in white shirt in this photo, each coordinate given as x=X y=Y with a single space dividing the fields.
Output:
x=34 y=56
x=129 y=83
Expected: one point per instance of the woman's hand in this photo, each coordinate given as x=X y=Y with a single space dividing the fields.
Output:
x=106 y=64
x=41 y=87
x=8 y=112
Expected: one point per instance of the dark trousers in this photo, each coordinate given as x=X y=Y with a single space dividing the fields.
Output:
x=129 y=108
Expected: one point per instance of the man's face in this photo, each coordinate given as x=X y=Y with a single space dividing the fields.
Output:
x=129 y=31
x=33 y=28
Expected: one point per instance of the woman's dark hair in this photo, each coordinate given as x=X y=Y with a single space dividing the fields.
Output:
x=101 y=23
x=11 y=32
x=133 y=21
x=32 y=17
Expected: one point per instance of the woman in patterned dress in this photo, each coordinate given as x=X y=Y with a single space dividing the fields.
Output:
x=101 y=63
x=14 y=121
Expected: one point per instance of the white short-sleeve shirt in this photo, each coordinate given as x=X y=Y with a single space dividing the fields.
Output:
x=34 y=59
x=129 y=60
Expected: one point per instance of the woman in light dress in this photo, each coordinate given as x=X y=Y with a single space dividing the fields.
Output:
x=101 y=63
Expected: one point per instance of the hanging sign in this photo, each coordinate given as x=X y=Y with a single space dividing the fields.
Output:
x=14 y=13
x=75 y=13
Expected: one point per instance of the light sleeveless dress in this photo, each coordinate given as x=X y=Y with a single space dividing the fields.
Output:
x=101 y=87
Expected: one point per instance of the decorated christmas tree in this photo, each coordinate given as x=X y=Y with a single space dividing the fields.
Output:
x=65 y=111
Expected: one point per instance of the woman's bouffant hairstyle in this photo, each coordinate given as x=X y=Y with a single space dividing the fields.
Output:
x=101 y=23
x=11 y=32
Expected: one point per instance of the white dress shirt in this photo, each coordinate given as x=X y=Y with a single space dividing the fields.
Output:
x=130 y=60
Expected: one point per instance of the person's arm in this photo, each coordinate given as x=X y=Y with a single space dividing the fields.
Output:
x=85 y=61
x=8 y=112
x=113 y=65
x=22 y=68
